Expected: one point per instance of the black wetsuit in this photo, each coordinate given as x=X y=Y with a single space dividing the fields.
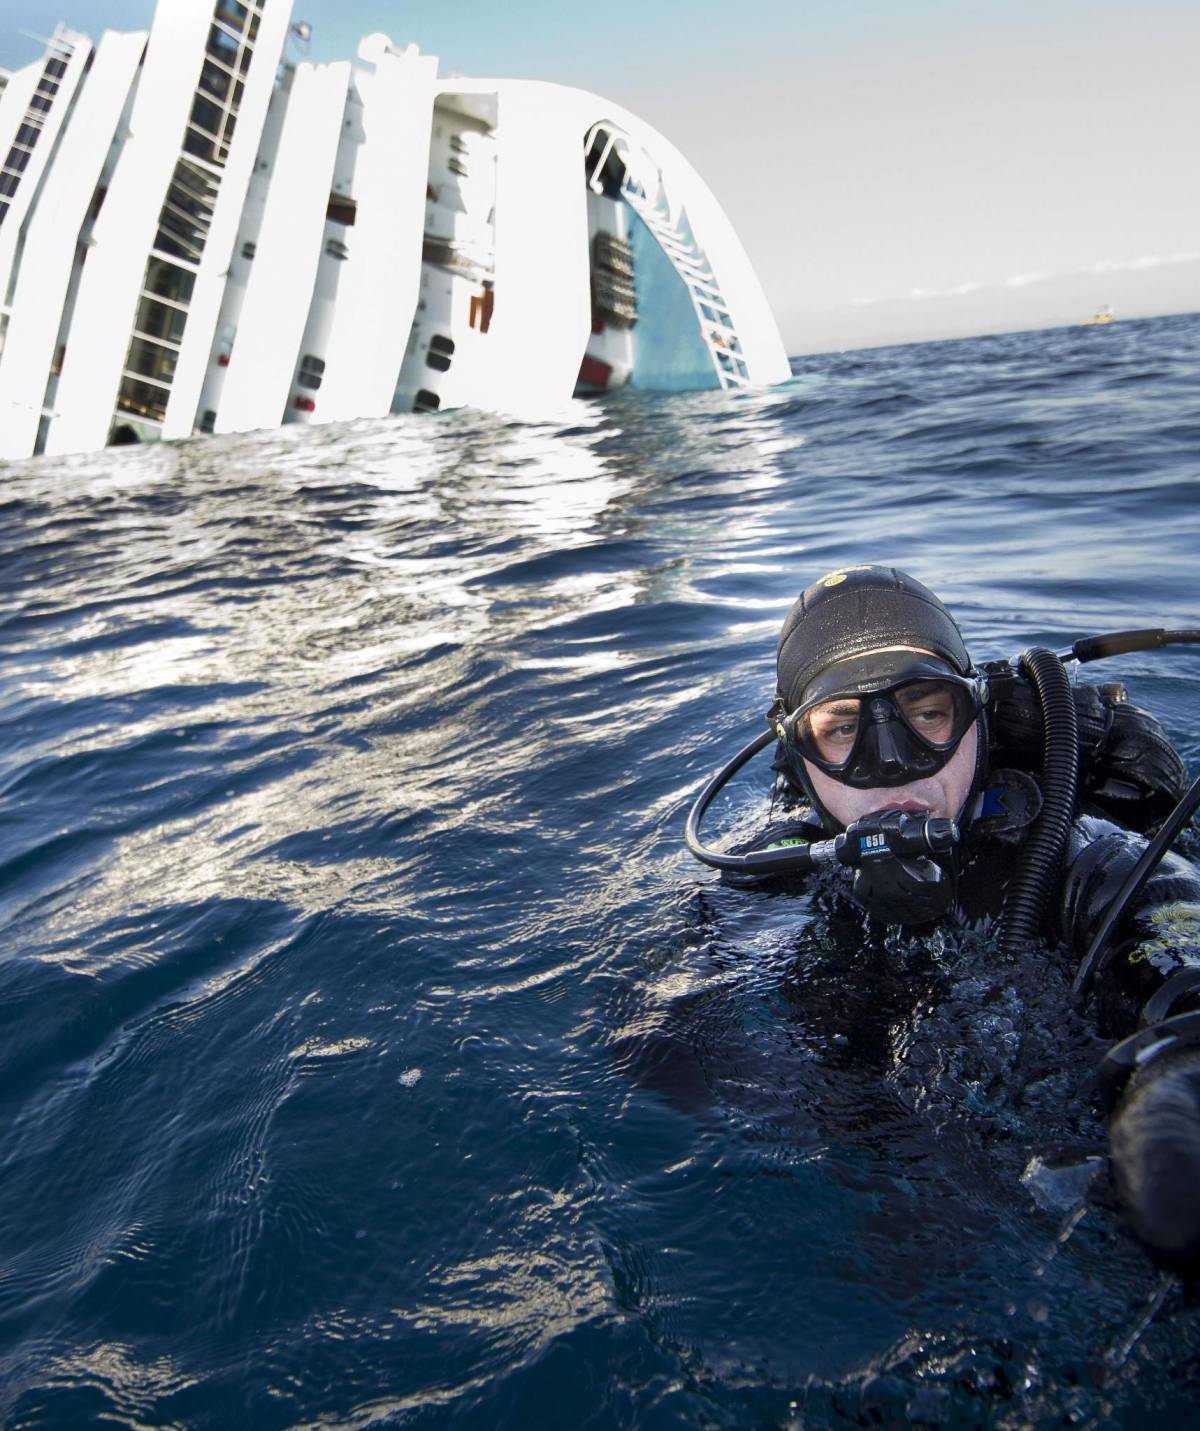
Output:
x=1159 y=936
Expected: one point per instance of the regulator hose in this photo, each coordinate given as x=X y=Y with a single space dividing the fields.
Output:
x=791 y=860
x=1041 y=860
x=889 y=837
x=1131 y=886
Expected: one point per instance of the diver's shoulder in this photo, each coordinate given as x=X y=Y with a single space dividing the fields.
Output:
x=1129 y=770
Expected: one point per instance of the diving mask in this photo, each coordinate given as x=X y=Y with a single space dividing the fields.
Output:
x=883 y=719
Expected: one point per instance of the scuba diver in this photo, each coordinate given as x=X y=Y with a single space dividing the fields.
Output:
x=1002 y=795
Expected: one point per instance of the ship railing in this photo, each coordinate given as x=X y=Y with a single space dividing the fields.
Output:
x=690 y=262
x=643 y=189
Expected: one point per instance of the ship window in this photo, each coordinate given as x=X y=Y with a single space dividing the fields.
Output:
x=249 y=249
x=28 y=135
x=439 y=251
x=232 y=28
x=231 y=12
x=192 y=180
x=214 y=80
x=151 y=360
x=207 y=115
x=203 y=146
x=221 y=45
x=169 y=281
x=209 y=420
x=39 y=101
x=311 y=371
x=341 y=210
x=219 y=66
x=252 y=29
x=164 y=243
x=17 y=160
x=144 y=399
x=186 y=215
x=438 y=361
x=244 y=62
x=456 y=168
x=56 y=68
x=188 y=233
x=156 y=320
x=337 y=249
x=8 y=184
x=441 y=344
x=426 y=401
x=47 y=87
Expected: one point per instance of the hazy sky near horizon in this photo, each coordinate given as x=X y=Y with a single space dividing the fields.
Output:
x=895 y=168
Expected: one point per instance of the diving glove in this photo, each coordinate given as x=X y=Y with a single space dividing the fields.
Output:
x=1154 y=1140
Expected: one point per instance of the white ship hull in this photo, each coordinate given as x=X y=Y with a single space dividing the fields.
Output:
x=207 y=249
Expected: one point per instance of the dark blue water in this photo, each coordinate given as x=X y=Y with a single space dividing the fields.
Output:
x=371 y=1052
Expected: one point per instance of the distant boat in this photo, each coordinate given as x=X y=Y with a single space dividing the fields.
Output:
x=1098 y=319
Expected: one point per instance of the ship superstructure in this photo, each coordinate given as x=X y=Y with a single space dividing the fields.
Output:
x=199 y=233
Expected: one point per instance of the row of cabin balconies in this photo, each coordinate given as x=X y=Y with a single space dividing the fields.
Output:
x=614 y=298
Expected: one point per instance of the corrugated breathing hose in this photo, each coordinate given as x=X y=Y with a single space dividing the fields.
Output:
x=1041 y=860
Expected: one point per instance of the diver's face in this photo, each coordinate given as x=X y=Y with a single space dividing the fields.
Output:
x=944 y=792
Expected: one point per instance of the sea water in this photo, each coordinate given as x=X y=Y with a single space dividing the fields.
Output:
x=371 y=1051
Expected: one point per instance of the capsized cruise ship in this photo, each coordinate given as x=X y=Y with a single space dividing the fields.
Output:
x=201 y=232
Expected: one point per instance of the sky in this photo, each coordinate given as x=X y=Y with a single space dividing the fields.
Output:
x=897 y=170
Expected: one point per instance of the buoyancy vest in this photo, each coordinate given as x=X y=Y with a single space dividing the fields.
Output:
x=1128 y=768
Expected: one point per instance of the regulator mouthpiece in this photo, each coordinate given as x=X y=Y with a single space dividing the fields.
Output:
x=898 y=878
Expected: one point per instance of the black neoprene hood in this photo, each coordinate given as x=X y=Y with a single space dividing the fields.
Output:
x=861 y=609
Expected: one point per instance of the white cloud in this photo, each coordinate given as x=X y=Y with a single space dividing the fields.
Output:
x=1027 y=280
x=916 y=294
x=1147 y=260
